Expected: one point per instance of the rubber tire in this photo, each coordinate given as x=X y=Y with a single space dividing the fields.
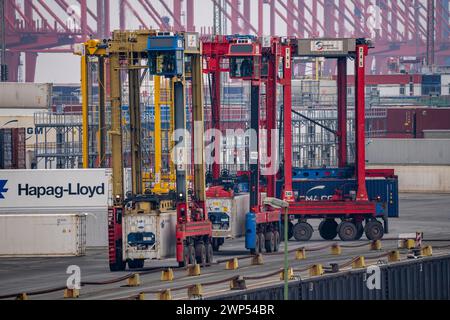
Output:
x=209 y=253
x=276 y=236
x=290 y=231
x=347 y=231
x=200 y=253
x=270 y=242
x=328 y=229
x=136 y=264
x=257 y=246
x=262 y=242
x=215 y=244
x=120 y=265
x=374 y=230
x=303 y=231
x=185 y=261
x=360 y=228
x=192 y=259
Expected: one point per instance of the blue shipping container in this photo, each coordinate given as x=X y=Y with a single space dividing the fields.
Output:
x=323 y=189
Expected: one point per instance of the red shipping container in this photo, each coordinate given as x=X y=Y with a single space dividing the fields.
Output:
x=13 y=148
x=19 y=148
x=432 y=119
x=409 y=123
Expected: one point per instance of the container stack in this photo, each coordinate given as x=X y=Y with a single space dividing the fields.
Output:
x=12 y=148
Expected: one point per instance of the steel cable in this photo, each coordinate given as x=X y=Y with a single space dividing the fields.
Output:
x=383 y=255
x=133 y=297
x=441 y=247
x=302 y=270
x=212 y=283
x=347 y=264
x=319 y=248
x=101 y=283
x=116 y=280
x=33 y=293
x=355 y=245
x=263 y=276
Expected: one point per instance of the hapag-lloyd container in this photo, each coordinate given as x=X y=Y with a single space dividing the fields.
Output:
x=47 y=235
x=60 y=192
x=72 y=189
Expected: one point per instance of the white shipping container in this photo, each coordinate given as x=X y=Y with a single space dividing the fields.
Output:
x=445 y=83
x=242 y=204
x=49 y=235
x=96 y=222
x=235 y=209
x=66 y=189
x=25 y=95
x=127 y=183
x=159 y=230
x=56 y=200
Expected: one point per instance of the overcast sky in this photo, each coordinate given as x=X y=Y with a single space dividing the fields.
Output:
x=65 y=68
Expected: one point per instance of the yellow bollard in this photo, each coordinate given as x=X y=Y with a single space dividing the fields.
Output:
x=195 y=291
x=141 y=296
x=165 y=295
x=394 y=256
x=290 y=274
x=316 y=270
x=167 y=275
x=232 y=264
x=375 y=245
x=134 y=280
x=22 y=296
x=359 y=263
x=426 y=251
x=238 y=284
x=336 y=250
x=71 y=293
x=409 y=244
x=300 y=254
x=257 y=260
x=194 y=270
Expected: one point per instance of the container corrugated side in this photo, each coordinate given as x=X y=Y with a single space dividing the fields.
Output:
x=242 y=204
x=96 y=221
x=46 y=235
x=168 y=244
x=25 y=95
x=163 y=226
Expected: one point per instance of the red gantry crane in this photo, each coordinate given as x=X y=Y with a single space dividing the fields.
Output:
x=256 y=60
x=356 y=211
